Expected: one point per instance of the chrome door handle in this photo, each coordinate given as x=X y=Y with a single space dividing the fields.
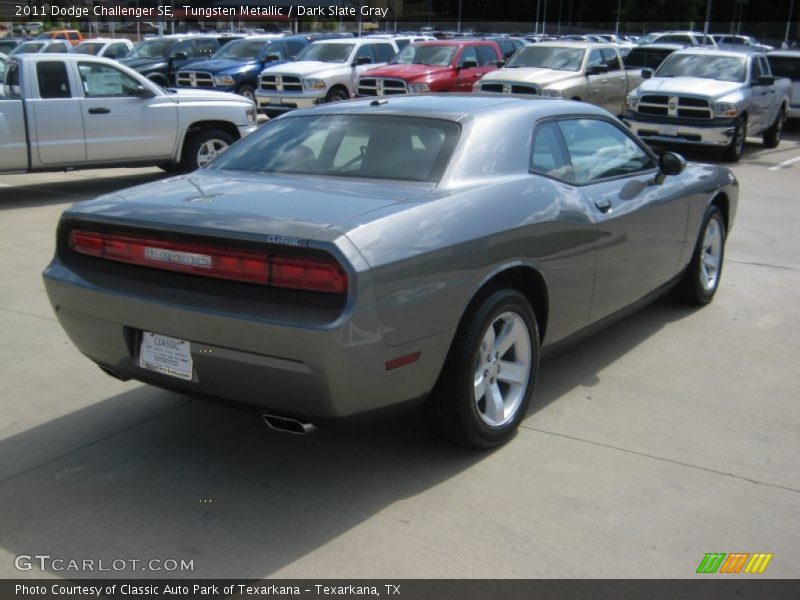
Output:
x=99 y=111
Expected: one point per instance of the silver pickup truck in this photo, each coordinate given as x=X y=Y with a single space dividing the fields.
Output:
x=586 y=71
x=60 y=111
x=712 y=98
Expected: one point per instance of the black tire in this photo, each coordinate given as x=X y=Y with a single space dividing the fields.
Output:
x=159 y=79
x=189 y=158
x=772 y=136
x=452 y=407
x=248 y=91
x=735 y=149
x=691 y=289
x=336 y=95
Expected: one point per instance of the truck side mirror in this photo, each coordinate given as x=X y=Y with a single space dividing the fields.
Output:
x=271 y=58
x=647 y=73
x=180 y=56
x=596 y=69
x=765 y=80
x=469 y=64
x=362 y=60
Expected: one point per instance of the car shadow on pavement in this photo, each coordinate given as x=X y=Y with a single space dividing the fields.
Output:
x=196 y=481
x=21 y=194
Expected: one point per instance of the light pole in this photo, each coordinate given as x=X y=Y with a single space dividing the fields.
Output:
x=544 y=18
x=708 y=16
x=459 y=16
x=788 y=21
x=619 y=8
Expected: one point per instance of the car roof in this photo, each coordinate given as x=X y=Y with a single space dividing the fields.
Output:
x=457 y=42
x=788 y=53
x=660 y=46
x=454 y=107
x=571 y=44
x=718 y=52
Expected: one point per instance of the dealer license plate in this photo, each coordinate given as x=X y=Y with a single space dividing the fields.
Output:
x=167 y=355
x=671 y=130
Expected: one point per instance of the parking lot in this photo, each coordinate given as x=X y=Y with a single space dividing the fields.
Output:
x=669 y=435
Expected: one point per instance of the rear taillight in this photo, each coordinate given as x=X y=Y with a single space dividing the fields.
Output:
x=251 y=266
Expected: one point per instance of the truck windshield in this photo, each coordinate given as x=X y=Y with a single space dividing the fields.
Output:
x=363 y=146
x=152 y=49
x=547 y=57
x=331 y=53
x=28 y=47
x=241 y=50
x=89 y=48
x=436 y=56
x=703 y=66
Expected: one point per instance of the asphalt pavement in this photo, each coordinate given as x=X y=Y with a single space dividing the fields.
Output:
x=672 y=434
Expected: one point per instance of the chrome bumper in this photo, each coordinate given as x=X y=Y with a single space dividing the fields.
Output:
x=286 y=101
x=680 y=132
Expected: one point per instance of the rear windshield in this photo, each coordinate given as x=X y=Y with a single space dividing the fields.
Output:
x=89 y=48
x=548 y=57
x=785 y=66
x=365 y=146
x=331 y=53
x=435 y=56
x=241 y=50
x=646 y=58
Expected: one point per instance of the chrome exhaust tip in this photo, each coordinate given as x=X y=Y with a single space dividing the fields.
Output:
x=288 y=425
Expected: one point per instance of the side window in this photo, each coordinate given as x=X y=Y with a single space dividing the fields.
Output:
x=103 y=81
x=60 y=36
x=548 y=156
x=402 y=43
x=755 y=70
x=205 y=47
x=53 y=80
x=384 y=52
x=611 y=59
x=57 y=47
x=73 y=35
x=486 y=55
x=117 y=51
x=467 y=54
x=597 y=149
x=764 y=65
x=183 y=47
x=294 y=48
x=12 y=87
x=595 y=59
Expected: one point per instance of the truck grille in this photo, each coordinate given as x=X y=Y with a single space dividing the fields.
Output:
x=683 y=107
x=526 y=89
x=195 y=79
x=381 y=87
x=280 y=83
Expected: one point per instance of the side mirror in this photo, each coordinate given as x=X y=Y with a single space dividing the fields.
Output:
x=500 y=64
x=647 y=73
x=469 y=64
x=271 y=58
x=671 y=163
x=596 y=69
x=180 y=56
x=362 y=60
x=143 y=92
x=765 y=80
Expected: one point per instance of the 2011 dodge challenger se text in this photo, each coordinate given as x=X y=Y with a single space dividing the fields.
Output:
x=367 y=255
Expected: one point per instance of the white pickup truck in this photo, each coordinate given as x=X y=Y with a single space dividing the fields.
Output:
x=65 y=111
x=710 y=98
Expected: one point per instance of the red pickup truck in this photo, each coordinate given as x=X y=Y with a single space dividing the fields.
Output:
x=442 y=66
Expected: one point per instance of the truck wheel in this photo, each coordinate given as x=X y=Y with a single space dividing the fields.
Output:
x=734 y=150
x=248 y=91
x=202 y=147
x=336 y=95
x=772 y=136
x=158 y=79
x=488 y=378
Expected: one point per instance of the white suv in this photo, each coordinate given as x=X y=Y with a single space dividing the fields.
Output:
x=326 y=71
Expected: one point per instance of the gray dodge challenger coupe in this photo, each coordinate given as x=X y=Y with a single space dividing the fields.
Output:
x=364 y=256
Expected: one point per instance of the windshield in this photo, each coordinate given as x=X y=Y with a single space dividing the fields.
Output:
x=43 y=36
x=647 y=39
x=548 y=57
x=436 y=56
x=28 y=47
x=331 y=53
x=88 y=48
x=365 y=146
x=785 y=66
x=152 y=49
x=645 y=58
x=240 y=50
x=721 y=68
x=6 y=47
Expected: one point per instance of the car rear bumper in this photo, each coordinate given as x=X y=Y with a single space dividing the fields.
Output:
x=324 y=371
x=718 y=132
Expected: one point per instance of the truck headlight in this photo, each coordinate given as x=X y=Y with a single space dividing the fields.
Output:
x=632 y=103
x=419 y=88
x=314 y=84
x=552 y=93
x=724 y=109
x=252 y=116
x=223 y=80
